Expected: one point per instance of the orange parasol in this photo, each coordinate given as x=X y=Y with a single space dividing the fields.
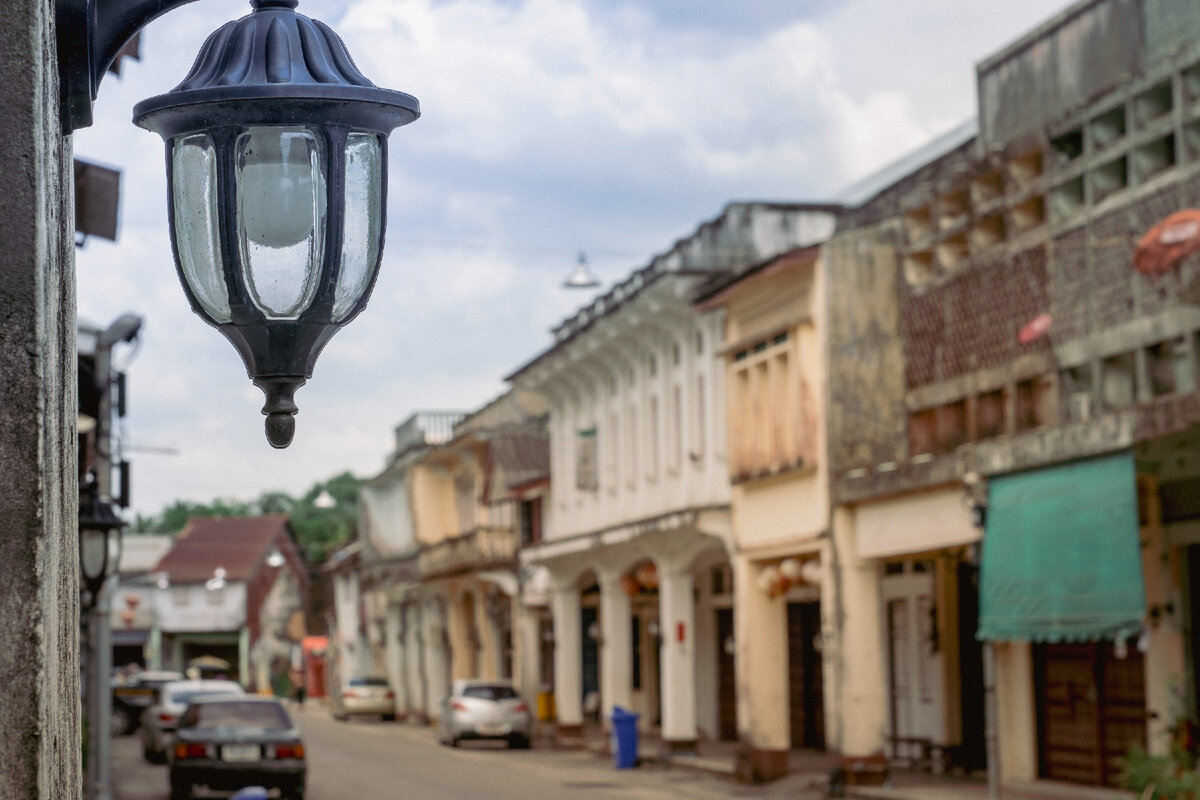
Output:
x=1161 y=248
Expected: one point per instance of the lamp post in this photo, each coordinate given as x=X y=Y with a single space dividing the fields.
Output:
x=277 y=170
x=975 y=487
x=99 y=556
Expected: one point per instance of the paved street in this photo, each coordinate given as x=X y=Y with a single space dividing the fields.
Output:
x=369 y=760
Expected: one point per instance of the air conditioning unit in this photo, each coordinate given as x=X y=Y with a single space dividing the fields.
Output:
x=1081 y=406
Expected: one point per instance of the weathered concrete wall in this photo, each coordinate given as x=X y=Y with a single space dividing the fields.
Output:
x=866 y=356
x=39 y=594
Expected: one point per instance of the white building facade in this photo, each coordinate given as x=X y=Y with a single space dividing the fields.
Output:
x=636 y=525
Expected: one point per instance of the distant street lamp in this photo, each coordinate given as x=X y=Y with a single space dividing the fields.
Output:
x=99 y=542
x=581 y=277
x=277 y=170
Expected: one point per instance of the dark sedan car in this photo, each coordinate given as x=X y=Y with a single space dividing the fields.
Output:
x=227 y=743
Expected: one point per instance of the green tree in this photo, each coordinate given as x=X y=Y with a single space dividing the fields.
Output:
x=320 y=525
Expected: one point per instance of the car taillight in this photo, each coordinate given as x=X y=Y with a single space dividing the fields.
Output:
x=390 y=694
x=167 y=718
x=521 y=708
x=289 y=751
x=457 y=706
x=191 y=750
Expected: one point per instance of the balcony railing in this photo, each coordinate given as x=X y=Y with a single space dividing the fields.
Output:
x=482 y=548
x=426 y=428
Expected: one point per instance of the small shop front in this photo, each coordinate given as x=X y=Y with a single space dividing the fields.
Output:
x=1062 y=602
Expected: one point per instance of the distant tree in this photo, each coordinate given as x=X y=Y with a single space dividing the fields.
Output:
x=318 y=530
x=275 y=503
x=172 y=518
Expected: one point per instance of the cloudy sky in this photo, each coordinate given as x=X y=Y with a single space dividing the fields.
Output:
x=549 y=127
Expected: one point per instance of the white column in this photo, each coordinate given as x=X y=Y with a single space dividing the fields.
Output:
x=437 y=661
x=568 y=649
x=677 y=618
x=393 y=650
x=616 y=646
x=527 y=647
x=413 y=658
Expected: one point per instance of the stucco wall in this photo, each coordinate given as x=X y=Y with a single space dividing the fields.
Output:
x=39 y=678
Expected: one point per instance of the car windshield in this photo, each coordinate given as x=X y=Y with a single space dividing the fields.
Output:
x=238 y=714
x=489 y=692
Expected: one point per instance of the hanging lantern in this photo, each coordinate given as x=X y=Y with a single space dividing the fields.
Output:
x=277 y=169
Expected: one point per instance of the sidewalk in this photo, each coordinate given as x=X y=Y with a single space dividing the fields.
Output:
x=810 y=770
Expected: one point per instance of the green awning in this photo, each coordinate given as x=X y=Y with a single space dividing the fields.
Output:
x=1061 y=556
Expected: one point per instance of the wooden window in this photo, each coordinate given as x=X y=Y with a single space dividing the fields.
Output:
x=699 y=423
x=675 y=428
x=531 y=520
x=652 y=445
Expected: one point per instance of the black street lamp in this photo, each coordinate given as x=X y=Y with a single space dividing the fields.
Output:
x=99 y=542
x=277 y=171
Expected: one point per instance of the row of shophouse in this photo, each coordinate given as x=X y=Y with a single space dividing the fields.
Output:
x=811 y=474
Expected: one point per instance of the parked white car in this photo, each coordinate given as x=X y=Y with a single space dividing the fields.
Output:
x=482 y=709
x=367 y=696
x=162 y=717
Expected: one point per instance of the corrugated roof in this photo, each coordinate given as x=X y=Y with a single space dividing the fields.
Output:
x=861 y=191
x=521 y=453
x=239 y=544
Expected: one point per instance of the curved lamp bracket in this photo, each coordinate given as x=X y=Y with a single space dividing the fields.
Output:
x=90 y=34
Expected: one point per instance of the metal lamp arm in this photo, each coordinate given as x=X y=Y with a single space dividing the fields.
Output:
x=90 y=34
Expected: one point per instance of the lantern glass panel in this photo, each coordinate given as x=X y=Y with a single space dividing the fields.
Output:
x=360 y=245
x=280 y=216
x=93 y=547
x=194 y=187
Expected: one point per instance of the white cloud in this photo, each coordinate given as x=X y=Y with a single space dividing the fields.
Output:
x=549 y=127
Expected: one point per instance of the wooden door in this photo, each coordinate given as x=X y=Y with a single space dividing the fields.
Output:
x=726 y=686
x=1091 y=710
x=806 y=683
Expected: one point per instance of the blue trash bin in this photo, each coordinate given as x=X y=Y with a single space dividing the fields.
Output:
x=625 y=738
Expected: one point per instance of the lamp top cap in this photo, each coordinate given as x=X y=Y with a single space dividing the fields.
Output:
x=264 y=68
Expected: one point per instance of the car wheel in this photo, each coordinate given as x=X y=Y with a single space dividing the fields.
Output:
x=454 y=741
x=121 y=722
x=389 y=717
x=518 y=742
x=156 y=756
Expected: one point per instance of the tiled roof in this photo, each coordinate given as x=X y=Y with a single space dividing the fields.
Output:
x=239 y=544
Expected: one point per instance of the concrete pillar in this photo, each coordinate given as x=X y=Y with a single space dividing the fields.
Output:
x=677 y=617
x=760 y=630
x=437 y=656
x=527 y=647
x=859 y=660
x=616 y=645
x=155 y=660
x=393 y=650
x=39 y=601
x=1016 y=723
x=414 y=657
x=568 y=649
x=243 y=658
